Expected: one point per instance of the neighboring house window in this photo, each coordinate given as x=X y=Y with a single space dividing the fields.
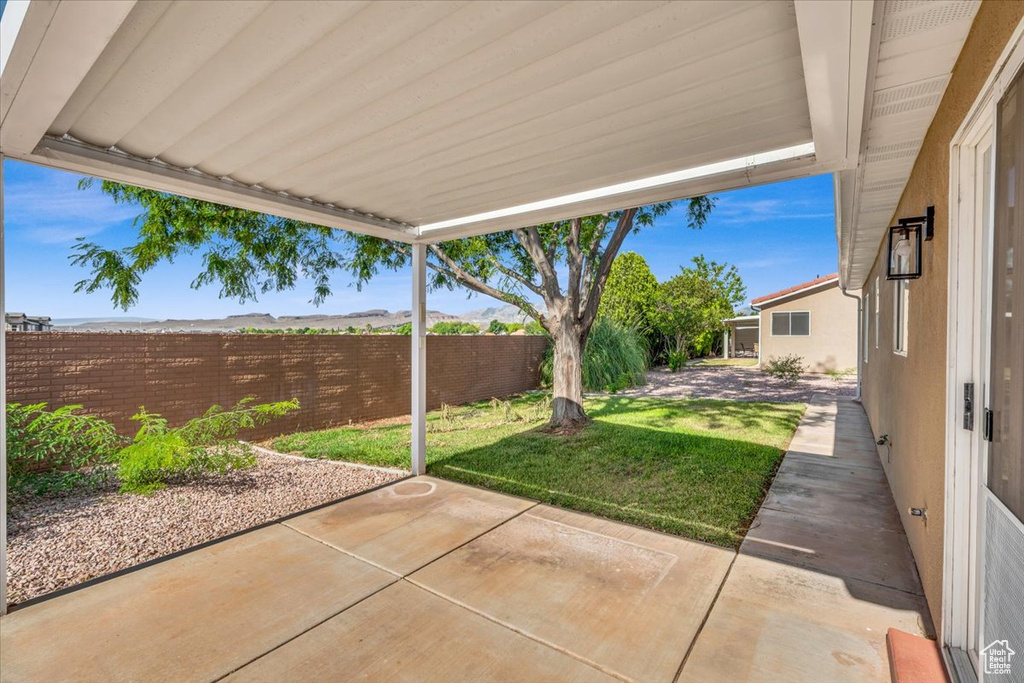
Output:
x=901 y=305
x=867 y=321
x=791 y=324
x=878 y=307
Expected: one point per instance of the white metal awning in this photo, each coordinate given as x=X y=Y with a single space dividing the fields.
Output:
x=427 y=120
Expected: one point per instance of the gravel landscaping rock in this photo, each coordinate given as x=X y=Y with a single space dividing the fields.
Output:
x=61 y=541
x=739 y=384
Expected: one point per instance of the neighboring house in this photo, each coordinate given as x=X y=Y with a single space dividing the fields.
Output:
x=742 y=335
x=813 y=320
x=19 y=322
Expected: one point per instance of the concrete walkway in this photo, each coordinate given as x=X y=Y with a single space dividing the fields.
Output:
x=824 y=571
x=428 y=580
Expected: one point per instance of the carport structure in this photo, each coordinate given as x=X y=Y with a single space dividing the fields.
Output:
x=422 y=122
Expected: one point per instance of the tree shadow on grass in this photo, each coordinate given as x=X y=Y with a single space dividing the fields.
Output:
x=701 y=486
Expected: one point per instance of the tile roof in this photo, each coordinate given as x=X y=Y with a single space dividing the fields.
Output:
x=795 y=288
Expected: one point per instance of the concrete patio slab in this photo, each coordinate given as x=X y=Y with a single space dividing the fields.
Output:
x=790 y=493
x=405 y=633
x=835 y=471
x=837 y=547
x=405 y=526
x=775 y=622
x=195 y=617
x=628 y=600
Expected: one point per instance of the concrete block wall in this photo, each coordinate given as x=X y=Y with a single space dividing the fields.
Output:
x=338 y=379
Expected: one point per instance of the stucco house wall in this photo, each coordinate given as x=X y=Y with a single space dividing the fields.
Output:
x=904 y=396
x=832 y=342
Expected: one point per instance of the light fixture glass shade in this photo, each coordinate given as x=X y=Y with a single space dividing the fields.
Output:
x=904 y=252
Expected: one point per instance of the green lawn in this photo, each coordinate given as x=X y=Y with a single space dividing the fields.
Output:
x=697 y=468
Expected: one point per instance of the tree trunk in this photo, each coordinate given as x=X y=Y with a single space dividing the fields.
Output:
x=567 y=399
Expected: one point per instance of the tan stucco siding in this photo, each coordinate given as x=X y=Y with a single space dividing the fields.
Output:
x=832 y=342
x=904 y=396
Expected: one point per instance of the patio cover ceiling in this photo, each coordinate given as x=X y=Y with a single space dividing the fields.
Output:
x=422 y=121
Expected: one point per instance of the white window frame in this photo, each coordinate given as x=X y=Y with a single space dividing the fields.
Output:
x=900 y=317
x=771 y=324
x=878 y=308
x=867 y=324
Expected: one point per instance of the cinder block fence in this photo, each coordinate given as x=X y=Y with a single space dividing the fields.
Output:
x=338 y=379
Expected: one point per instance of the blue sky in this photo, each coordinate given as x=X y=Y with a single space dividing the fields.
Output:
x=777 y=235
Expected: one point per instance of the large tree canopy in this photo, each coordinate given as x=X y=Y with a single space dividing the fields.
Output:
x=631 y=292
x=564 y=265
x=698 y=300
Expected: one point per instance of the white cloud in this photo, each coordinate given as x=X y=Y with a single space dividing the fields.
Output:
x=734 y=211
x=48 y=208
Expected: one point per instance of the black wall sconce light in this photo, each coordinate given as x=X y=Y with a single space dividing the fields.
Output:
x=905 y=240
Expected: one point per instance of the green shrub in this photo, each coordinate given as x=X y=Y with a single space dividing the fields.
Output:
x=534 y=327
x=789 y=368
x=454 y=327
x=497 y=327
x=47 y=449
x=615 y=358
x=676 y=360
x=203 y=444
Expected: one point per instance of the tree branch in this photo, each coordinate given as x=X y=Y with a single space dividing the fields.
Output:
x=622 y=229
x=508 y=272
x=452 y=268
x=574 y=258
x=530 y=240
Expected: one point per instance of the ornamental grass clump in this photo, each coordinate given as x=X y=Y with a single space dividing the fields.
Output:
x=615 y=358
x=208 y=443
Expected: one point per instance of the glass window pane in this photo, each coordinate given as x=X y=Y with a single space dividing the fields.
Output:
x=780 y=324
x=1006 y=452
x=800 y=324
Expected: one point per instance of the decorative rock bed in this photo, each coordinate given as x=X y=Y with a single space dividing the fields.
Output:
x=739 y=384
x=60 y=541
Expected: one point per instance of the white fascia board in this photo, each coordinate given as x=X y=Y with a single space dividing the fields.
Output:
x=76 y=35
x=118 y=166
x=775 y=300
x=835 y=42
x=21 y=35
x=790 y=162
x=10 y=26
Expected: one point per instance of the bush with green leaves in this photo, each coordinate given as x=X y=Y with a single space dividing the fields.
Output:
x=676 y=360
x=47 y=449
x=789 y=368
x=454 y=327
x=630 y=293
x=208 y=443
x=614 y=359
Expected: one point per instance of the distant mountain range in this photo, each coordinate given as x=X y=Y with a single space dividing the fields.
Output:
x=375 y=318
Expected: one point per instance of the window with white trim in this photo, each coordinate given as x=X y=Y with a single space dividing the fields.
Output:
x=900 y=311
x=878 y=307
x=866 y=336
x=791 y=323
